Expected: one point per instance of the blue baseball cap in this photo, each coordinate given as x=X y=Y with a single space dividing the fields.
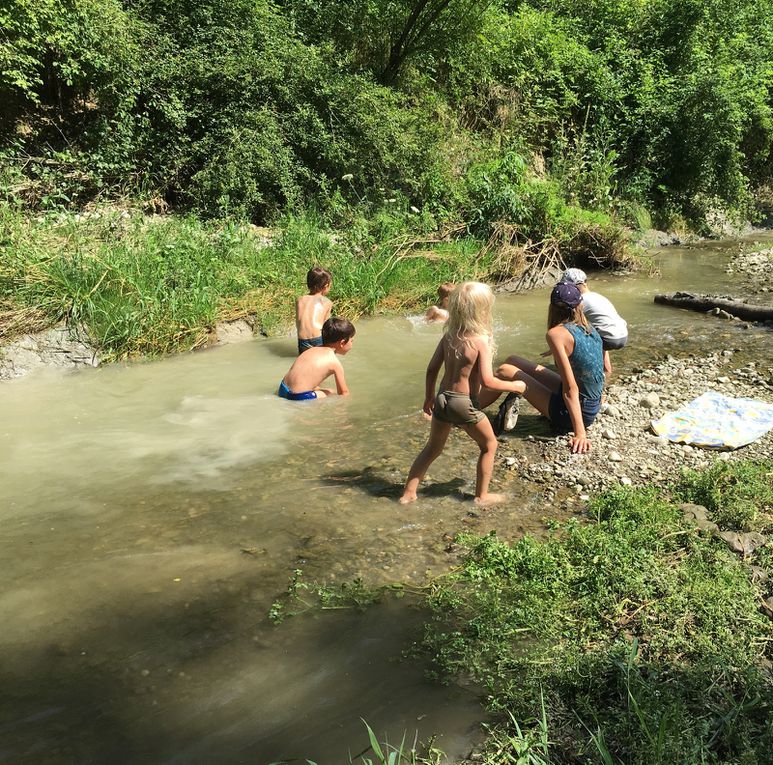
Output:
x=566 y=294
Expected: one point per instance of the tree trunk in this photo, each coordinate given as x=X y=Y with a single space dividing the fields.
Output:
x=707 y=303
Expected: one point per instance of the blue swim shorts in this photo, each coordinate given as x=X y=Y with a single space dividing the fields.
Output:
x=304 y=345
x=285 y=392
x=559 y=414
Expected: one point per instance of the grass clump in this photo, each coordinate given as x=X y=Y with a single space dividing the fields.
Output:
x=626 y=640
x=739 y=495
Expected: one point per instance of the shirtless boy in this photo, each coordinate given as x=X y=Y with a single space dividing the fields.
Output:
x=311 y=368
x=312 y=310
x=439 y=312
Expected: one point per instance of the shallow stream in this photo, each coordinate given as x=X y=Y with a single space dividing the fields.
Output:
x=150 y=514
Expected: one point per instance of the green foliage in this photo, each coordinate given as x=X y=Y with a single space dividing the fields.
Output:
x=641 y=639
x=739 y=494
x=384 y=753
x=255 y=109
x=148 y=286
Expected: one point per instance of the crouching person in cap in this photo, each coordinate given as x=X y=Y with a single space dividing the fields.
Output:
x=571 y=397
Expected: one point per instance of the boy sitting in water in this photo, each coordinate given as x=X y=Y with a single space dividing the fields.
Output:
x=316 y=364
x=312 y=310
x=439 y=312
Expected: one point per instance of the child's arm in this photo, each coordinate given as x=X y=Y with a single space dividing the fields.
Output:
x=338 y=373
x=578 y=443
x=328 y=309
x=487 y=373
x=433 y=369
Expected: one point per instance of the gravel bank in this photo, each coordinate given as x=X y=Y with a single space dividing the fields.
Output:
x=624 y=448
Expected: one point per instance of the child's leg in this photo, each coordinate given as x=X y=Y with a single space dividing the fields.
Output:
x=546 y=377
x=483 y=435
x=539 y=387
x=438 y=435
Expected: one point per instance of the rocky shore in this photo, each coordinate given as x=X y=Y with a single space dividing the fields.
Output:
x=756 y=269
x=624 y=448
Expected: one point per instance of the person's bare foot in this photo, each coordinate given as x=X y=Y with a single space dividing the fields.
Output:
x=406 y=499
x=490 y=499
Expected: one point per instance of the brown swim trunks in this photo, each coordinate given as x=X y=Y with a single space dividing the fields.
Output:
x=456 y=408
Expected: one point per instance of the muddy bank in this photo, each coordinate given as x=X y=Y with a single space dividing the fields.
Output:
x=60 y=348
x=68 y=349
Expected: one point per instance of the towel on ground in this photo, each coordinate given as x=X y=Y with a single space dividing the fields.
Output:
x=717 y=421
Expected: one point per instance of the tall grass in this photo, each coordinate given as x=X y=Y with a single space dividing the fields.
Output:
x=147 y=286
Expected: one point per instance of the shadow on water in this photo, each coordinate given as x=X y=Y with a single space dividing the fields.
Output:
x=149 y=685
x=284 y=349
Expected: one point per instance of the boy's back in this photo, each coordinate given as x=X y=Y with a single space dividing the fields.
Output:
x=460 y=361
x=311 y=312
x=311 y=368
x=316 y=364
x=603 y=316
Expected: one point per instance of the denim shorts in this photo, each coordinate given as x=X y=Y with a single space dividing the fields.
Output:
x=559 y=414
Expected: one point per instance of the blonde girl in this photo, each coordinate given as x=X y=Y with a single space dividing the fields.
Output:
x=465 y=351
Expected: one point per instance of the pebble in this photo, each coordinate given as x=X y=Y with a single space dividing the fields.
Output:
x=608 y=434
x=615 y=457
x=650 y=401
x=625 y=480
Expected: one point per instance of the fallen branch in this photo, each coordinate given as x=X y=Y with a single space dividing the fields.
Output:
x=706 y=303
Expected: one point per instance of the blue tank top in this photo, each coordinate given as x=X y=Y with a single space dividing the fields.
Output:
x=587 y=361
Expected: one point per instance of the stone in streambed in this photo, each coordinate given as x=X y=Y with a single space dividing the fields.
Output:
x=650 y=401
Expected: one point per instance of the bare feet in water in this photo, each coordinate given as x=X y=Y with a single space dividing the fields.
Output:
x=406 y=499
x=490 y=499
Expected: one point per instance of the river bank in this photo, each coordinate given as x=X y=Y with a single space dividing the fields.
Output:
x=625 y=450
x=140 y=286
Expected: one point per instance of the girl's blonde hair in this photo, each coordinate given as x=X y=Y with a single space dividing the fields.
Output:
x=469 y=313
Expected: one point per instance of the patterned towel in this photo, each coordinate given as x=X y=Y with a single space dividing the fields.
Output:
x=717 y=421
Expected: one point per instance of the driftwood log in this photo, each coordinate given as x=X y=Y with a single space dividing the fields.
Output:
x=716 y=304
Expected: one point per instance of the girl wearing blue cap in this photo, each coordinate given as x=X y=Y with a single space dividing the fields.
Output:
x=571 y=397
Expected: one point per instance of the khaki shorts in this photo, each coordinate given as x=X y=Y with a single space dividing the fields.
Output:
x=456 y=409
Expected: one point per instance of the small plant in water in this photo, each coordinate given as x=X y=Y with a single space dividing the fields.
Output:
x=384 y=753
x=326 y=597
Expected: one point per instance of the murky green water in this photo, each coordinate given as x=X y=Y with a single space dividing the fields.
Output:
x=134 y=624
